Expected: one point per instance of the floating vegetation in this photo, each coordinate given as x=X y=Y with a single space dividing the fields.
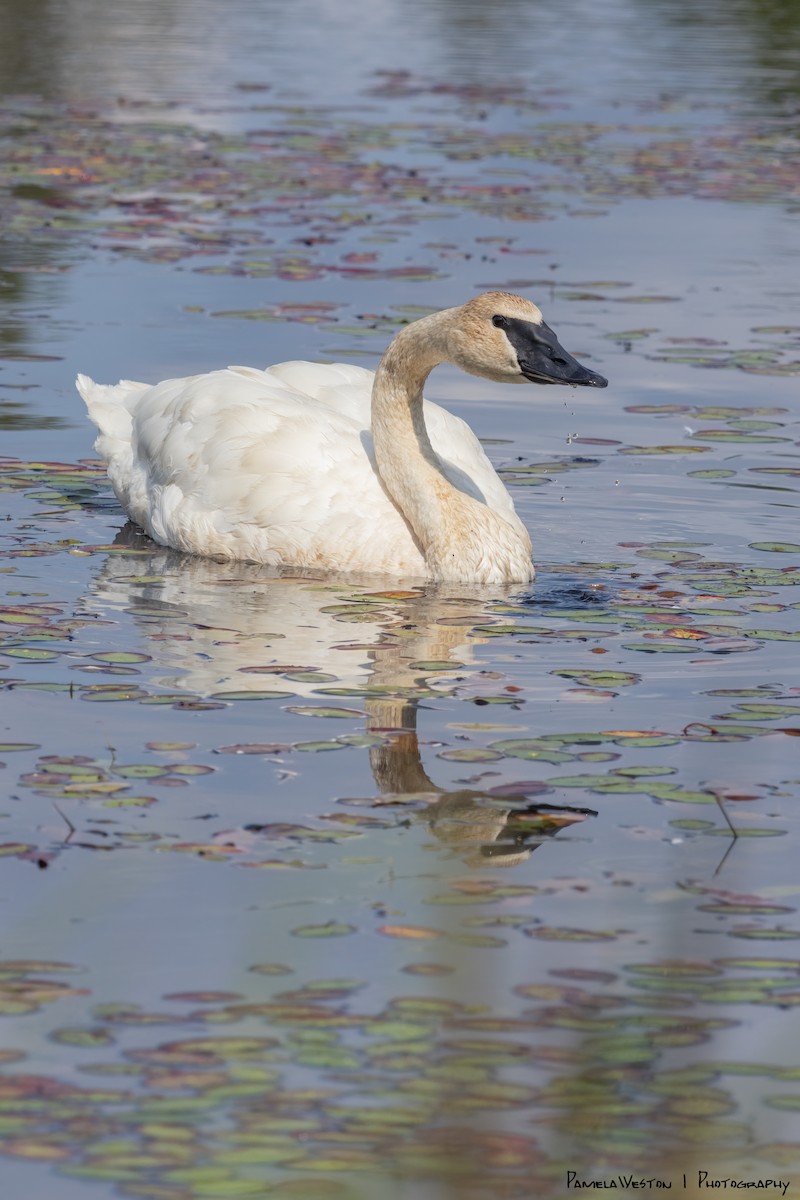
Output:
x=213 y=1106
x=220 y=1113
x=454 y=886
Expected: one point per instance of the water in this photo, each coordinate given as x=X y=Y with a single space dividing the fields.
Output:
x=335 y=888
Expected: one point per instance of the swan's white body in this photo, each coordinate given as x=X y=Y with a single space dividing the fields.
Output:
x=330 y=467
x=274 y=466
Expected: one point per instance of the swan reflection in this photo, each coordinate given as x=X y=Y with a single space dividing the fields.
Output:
x=222 y=629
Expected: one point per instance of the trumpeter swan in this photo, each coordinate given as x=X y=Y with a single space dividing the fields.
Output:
x=335 y=467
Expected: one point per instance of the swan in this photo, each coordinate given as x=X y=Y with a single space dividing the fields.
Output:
x=335 y=467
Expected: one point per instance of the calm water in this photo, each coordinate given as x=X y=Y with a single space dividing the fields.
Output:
x=333 y=889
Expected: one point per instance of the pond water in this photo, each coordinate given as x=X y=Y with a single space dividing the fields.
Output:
x=332 y=889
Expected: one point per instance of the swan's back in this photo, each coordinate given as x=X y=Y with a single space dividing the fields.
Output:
x=274 y=466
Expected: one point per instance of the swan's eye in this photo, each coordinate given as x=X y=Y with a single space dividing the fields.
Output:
x=499 y=321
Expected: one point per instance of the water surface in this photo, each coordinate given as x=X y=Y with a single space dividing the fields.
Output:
x=345 y=888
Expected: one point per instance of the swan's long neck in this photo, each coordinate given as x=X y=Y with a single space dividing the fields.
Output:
x=460 y=537
x=408 y=465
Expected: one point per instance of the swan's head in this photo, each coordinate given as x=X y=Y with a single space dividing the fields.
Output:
x=503 y=337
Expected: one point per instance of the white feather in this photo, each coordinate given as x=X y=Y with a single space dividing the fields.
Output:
x=271 y=466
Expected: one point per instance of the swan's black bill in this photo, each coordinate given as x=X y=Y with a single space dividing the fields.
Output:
x=542 y=358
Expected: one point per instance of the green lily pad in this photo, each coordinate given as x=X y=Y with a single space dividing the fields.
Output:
x=532 y=749
x=470 y=754
x=82 y=1037
x=109 y=695
x=30 y=653
x=768 y=935
x=130 y=802
x=244 y=1156
x=141 y=771
x=630 y=335
x=784 y=1103
x=121 y=657
x=760 y=964
x=436 y=665
x=647 y=741
x=565 y=934
x=319 y=747
x=644 y=772
x=729 y=435
x=600 y=679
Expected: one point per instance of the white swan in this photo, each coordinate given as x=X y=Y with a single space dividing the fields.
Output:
x=296 y=465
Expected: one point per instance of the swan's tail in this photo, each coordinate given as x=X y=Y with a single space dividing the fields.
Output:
x=109 y=408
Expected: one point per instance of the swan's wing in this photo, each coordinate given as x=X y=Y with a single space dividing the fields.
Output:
x=464 y=459
x=274 y=466
x=341 y=386
x=238 y=463
x=348 y=389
